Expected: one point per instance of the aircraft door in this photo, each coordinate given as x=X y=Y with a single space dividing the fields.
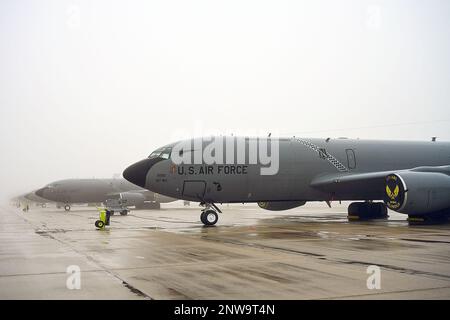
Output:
x=194 y=189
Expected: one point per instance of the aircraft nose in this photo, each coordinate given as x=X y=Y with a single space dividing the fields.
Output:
x=137 y=173
x=40 y=192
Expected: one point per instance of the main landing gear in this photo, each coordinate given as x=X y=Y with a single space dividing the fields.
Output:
x=367 y=211
x=123 y=212
x=209 y=216
x=429 y=219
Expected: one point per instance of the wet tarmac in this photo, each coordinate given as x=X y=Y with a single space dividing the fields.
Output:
x=311 y=252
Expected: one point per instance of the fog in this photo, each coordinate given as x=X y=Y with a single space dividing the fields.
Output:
x=89 y=87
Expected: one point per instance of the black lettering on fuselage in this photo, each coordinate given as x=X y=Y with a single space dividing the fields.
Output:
x=210 y=170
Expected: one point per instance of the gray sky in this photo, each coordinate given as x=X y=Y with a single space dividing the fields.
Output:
x=88 y=87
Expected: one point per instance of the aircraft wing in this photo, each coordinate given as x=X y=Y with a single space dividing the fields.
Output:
x=148 y=195
x=145 y=193
x=370 y=185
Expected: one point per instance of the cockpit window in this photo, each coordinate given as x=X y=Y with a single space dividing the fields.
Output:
x=161 y=153
x=166 y=153
x=154 y=154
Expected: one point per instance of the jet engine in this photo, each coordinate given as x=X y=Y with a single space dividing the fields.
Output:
x=132 y=198
x=280 y=205
x=417 y=193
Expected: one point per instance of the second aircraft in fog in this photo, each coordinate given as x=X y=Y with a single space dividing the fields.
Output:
x=76 y=191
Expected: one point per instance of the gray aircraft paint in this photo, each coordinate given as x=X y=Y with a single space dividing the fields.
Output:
x=30 y=198
x=94 y=191
x=305 y=172
x=34 y=198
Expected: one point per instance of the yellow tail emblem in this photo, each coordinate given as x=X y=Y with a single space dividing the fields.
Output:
x=392 y=195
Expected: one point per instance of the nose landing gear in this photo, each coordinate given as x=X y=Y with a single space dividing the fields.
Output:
x=209 y=216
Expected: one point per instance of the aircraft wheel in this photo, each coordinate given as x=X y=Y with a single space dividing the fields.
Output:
x=111 y=212
x=380 y=209
x=99 y=224
x=209 y=217
x=67 y=207
x=354 y=208
x=202 y=217
x=367 y=210
x=428 y=219
x=123 y=212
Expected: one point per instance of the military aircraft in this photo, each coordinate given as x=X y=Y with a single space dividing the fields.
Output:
x=408 y=177
x=77 y=191
x=30 y=198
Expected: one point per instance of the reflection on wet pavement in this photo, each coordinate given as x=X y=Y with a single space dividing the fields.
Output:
x=311 y=252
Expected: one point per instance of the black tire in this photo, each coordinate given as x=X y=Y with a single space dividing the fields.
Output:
x=428 y=219
x=209 y=217
x=203 y=218
x=67 y=207
x=368 y=210
x=354 y=208
x=99 y=224
x=380 y=209
x=123 y=212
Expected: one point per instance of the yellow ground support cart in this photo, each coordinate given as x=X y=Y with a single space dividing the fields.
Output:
x=104 y=218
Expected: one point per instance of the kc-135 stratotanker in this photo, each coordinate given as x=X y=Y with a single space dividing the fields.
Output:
x=409 y=177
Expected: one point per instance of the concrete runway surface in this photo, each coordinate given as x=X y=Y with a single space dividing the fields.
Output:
x=311 y=252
